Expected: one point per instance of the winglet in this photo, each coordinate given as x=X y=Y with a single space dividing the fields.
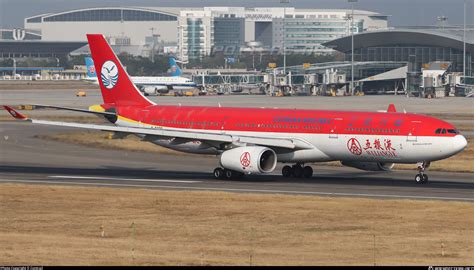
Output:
x=391 y=108
x=15 y=114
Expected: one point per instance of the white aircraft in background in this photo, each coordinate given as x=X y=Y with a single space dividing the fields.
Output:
x=150 y=85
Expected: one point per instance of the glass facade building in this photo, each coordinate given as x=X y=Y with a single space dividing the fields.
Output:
x=302 y=35
x=416 y=56
x=194 y=37
x=415 y=47
x=228 y=32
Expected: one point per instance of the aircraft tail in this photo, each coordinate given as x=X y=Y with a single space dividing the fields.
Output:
x=115 y=84
x=90 y=67
x=174 y=68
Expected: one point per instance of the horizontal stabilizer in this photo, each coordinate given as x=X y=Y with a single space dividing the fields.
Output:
x=74 y=109
x=15 y=114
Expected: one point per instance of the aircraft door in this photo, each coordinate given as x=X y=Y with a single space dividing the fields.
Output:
x=412 y=135
x=335 y=126
x=223 y=124
x=145 y=114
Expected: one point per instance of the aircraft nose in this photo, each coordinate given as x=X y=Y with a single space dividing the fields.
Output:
x=459 y=143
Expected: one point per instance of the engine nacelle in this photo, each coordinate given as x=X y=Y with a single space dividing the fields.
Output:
x=369 y=166
x=249 y=159
x=153 y=90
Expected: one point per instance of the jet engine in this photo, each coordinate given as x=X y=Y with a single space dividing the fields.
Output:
x=369 y=166
x=154 y=90
x=249 y=159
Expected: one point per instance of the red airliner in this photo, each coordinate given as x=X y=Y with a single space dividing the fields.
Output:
x=252 y=141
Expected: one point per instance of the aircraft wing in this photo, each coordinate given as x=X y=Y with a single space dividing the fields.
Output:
x=163 y=132
x=73 y=109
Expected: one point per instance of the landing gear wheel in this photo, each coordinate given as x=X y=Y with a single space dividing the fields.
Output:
x=286 y=171
x=218 y=173
x=307 y=172
x=421 y=178
x=229 y=174
x=425 y=178
x=297 y=171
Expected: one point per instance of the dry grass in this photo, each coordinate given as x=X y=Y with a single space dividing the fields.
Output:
x=58 y=225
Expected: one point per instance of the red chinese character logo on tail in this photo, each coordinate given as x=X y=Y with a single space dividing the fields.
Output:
x=354 y=146
x=245 y=159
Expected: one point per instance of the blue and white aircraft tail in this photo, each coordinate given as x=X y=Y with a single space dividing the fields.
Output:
x=90 y=67
x=174 y=68
x=91 y=74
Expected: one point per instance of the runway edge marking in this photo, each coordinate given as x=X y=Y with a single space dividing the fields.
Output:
x=121 y=179
x=248 y=190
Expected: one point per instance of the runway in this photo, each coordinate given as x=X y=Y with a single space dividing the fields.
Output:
x=26 y=159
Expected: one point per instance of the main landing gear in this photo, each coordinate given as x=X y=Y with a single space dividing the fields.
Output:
x=297 y=171
x=220 y=173
x=421 y=177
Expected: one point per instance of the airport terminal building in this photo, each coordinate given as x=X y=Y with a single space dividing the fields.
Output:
x=414 y=46
x=194 y=32
x=300 y=31
x=129 y=29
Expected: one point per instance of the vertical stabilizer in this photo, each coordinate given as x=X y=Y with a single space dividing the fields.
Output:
x=175 y=71
x=391 y=108
x=90 y=67
x=115 y=84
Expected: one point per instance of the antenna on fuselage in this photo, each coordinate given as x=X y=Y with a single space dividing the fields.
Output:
x=219 y=104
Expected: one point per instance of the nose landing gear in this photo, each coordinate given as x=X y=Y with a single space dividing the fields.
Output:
x=421 y=177
x=297 y=171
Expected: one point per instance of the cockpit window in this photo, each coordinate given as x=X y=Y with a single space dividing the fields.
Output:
x=449 y=131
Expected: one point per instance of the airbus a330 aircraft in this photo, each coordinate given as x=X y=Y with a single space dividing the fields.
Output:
x=151 y=85
x=252 y=141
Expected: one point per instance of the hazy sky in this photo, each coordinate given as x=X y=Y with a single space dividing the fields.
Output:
x=402 y=12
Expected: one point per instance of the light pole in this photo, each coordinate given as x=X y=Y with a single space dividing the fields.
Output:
x=181 y=42
x=284 y=35
x=352 y=45
x=14 y=68
x=153 y=46
x=464 y=43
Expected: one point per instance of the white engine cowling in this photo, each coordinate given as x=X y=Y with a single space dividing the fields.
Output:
x=249 y=159
x=369 y=166
x=153 y=90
